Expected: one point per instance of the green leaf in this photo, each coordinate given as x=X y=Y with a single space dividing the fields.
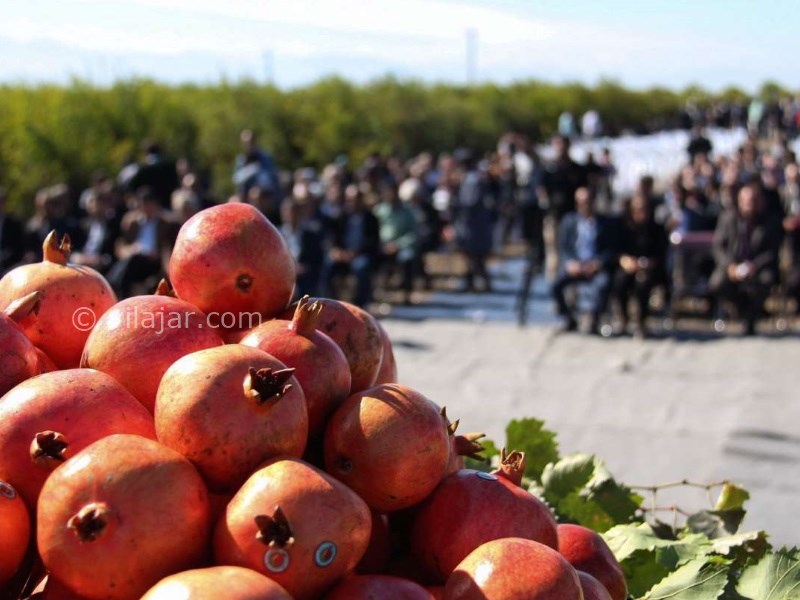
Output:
x=538 y=444
x=731 y=497
x=699 y=579
x=750 y=544
x=581 y=490
x=716 y=523
x=774 y=577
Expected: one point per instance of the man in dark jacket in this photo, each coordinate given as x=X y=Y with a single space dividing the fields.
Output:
x=586 y=249
x=747 y=242
x=355 y=247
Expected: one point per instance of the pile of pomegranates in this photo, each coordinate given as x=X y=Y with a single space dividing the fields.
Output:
x=162 y=449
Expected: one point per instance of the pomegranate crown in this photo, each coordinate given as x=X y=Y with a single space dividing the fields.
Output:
x=275 y=530
x=164 y=288
x=267 y=386
x=306 y=316
x=56 y=251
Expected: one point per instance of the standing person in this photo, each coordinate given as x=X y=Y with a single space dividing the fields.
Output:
x=561 y=179
x=398 y=233
x=12 y=237
x=473 y=221
x=156 y=173
x=698 y=145
x=355 y=247
x=429 y=224
x=304 y=235
x=255 y=167
x=642 y=261
x=586 y=245
x=746 y=246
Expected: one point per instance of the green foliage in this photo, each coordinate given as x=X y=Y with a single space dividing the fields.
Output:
x=50 y=134
x=774 y=577
x=538 y=444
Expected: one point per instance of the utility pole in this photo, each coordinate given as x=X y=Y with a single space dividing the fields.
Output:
x=472 y=55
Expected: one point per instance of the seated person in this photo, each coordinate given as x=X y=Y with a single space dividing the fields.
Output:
x=746 y=247
x=642 y=261
x=101 y=228
x=398 y=233
x=586 y=256
x=355 y=247
x=144 y=243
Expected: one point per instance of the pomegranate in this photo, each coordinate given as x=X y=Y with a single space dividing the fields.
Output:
x=55 y=590
x=512 y=466
x=121 y=515
x=587 y=551
x=356 y=332
x=230 y=583
x=436 y=591
x=295 y=524
x=387 y=373
x=390 y=444
x=467 y=444
x=234 y=336
x=228 y=409
x=320 y=365
x=49 y=418
x=231 y=259
x=45 y=364
x=592 y=589
x=71 y=298
x=15 y=532
x=513 y=569
x=138 y=339
x=376 y=556
x=378 y=587
x=470 y=508
x=19 y=358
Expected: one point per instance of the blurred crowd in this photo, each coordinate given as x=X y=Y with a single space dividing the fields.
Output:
x=726 y=229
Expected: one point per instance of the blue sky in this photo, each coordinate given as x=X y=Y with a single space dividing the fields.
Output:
x=641 y=43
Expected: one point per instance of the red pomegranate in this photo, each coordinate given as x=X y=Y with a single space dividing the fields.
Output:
x=387 y=373
x=234 y=336
x=50 y=418
x=296 y=525
x=461 y=446
x=215 y=583
x=121 y=515
x=19 y=358
x=512 y=466
x=55 y=590
x=470 y=508
x=231 y=259
x=378 y=587
x=356 y=332
x=390 y=444
x=138 y=339
x=15 y=532
x=71 y=298
x=228 y=409
x=45 y=364
x=592 y=589
x=376 y=556
x=320 y=365
x=436 y=591
x=513 y=569
x=587 y=551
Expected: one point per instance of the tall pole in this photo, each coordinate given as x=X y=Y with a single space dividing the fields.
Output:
x=472 y=55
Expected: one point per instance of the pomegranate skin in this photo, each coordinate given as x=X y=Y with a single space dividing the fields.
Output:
x=376 y=557
x=206 y=411
x=15 y=532
x=592 y=588
x=45 y=363
x=387 y=373
x=587 y=551
x=139 y=338
x=80 y=405
x=320 y=365
x=71 y=297
x=19 y=358
x=470 y=508
x=390 y=444
x=356 y=332
x=378 y=587
x=122 y=492
x=231 y=259
x=513 y=569
x=321 y=528
x=214 y=583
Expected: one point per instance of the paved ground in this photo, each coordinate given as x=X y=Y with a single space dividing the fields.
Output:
x=701 y=407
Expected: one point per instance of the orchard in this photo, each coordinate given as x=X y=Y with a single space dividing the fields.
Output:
x=157 y=451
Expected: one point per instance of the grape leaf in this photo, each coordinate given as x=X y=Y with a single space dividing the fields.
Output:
x=538 y=444
x=699 y=579
x=750 y=544
x=774 y=577
x=581 y=490
x=716 y=523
